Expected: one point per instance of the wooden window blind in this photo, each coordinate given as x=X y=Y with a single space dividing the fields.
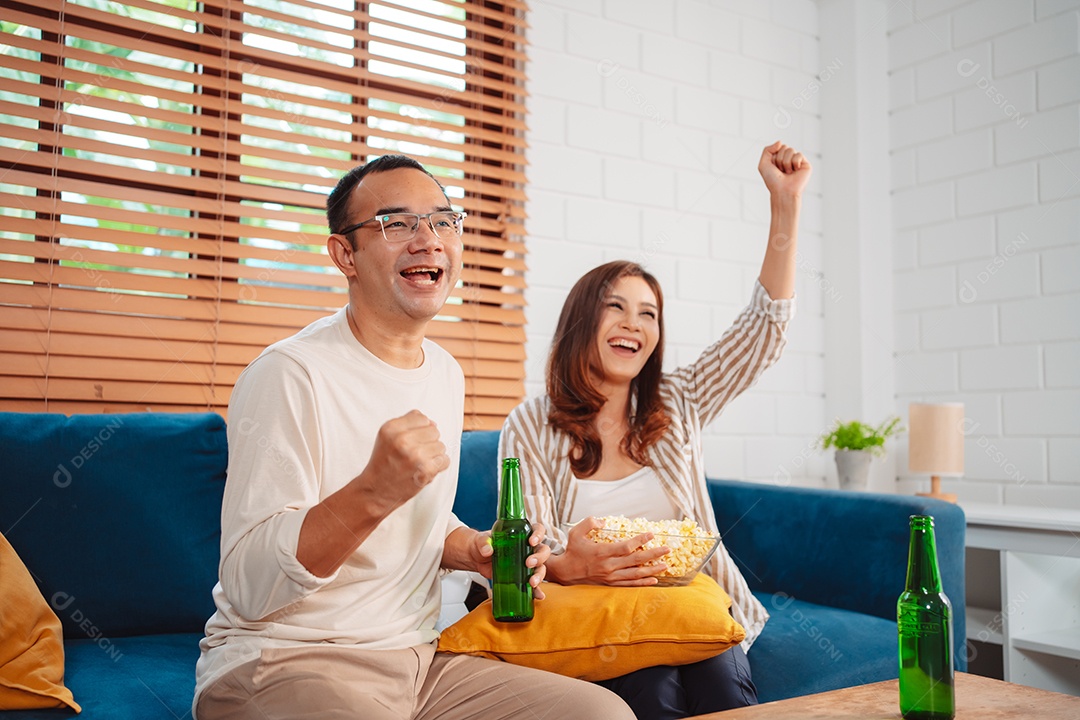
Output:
x=165 y=171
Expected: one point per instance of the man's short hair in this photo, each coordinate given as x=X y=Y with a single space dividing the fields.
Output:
x=337 y=205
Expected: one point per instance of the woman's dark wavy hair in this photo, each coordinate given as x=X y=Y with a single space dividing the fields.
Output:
x=574 y=366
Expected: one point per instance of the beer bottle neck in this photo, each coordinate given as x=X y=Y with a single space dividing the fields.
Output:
x=511 y=503
x=922 y=573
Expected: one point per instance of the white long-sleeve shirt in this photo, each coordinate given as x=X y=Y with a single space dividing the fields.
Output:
x=693 y=396
x=303 y=418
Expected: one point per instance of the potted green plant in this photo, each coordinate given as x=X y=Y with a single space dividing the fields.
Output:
x=856 y=445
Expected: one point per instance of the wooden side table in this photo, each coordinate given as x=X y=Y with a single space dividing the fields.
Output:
x=977 y=698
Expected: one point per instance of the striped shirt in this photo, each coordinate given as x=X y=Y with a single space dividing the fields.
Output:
x=693 y=396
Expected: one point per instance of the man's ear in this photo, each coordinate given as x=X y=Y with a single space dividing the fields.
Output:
x=341 y=252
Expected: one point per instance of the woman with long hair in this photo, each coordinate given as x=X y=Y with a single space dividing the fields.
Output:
x=615 y=435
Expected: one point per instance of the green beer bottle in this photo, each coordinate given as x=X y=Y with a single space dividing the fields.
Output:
x=512 y=595
x=924 y=624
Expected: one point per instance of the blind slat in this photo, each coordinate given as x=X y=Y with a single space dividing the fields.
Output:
x=117 y=283
x=50 y=206
x=156 y=241
x=194 y=184
x=97 y=407
x=178 y=265
x=123 y=326
x=256 y=336
x=93 y=349
x=118 y=391
x=120 y=368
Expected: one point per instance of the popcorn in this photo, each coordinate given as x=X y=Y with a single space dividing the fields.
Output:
x=690 y=544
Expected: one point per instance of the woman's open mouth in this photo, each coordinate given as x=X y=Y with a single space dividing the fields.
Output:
x=625 y=344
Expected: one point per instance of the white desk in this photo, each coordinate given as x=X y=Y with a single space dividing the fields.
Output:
x=1031 y=557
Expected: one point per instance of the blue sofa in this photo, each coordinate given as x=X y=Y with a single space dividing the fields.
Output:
x=117 y=518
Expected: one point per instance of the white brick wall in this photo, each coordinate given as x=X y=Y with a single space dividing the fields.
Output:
x=1035 y=44
x=646 y=121
x=1062 y=363
x=955 y=241
x=984 y=131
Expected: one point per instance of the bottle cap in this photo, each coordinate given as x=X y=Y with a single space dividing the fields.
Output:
x=510 y=463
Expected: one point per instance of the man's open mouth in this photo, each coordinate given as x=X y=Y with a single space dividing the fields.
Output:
x=423 y=275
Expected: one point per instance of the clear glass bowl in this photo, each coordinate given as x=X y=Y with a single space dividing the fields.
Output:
x=688 y=555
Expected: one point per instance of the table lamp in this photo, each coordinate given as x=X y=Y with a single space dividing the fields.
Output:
x=936 y=443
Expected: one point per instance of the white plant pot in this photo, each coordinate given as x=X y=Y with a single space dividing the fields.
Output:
x=853 y=468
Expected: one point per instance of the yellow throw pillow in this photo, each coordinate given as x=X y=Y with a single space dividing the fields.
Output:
x=31 y=645
x=597 y=632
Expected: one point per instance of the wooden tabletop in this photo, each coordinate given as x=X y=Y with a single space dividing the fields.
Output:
x=977 y=698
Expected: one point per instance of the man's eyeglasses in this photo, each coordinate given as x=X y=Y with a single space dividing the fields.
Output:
x=402 y=227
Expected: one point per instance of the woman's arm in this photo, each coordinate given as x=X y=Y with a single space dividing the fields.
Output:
x=754 y=341
x=785 y=172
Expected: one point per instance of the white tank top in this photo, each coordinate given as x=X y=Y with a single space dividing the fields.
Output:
x=637 y=495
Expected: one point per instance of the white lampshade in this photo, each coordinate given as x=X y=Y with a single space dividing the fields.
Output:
x=936 y=438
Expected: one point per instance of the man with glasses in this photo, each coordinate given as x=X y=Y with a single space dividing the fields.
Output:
x=343 y=459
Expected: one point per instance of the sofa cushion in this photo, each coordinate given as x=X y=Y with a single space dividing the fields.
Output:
x=118 y=517
x=807 y=648
x=31 y=646
x=148 y=678
x=596 y=632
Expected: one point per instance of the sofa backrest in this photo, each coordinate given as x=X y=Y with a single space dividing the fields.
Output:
x=786 y=540
x=117 y=517
x=478 y=479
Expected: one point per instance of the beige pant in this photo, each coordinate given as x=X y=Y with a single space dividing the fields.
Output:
x=320 y=683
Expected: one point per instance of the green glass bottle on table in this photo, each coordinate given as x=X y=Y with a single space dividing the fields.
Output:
x=924 y=624
x=512 y=595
